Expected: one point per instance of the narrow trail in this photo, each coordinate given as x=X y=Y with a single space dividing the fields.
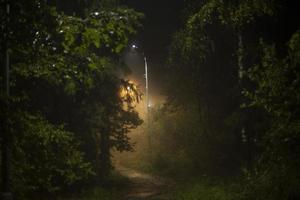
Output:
x=144 y=186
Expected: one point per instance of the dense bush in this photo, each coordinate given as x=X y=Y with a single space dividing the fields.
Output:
x=277 y=80
x=46 y=158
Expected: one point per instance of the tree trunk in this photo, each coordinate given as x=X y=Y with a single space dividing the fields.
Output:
x=105 y=164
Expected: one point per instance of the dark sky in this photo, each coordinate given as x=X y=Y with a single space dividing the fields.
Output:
x=162 y=19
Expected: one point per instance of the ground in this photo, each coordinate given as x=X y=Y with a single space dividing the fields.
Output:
x=145 y=186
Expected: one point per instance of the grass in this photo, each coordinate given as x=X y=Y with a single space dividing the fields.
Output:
x=101 y=194
x=113 y=190
x=204 y=190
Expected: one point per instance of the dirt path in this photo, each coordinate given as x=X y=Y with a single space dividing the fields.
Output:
x=144 y=186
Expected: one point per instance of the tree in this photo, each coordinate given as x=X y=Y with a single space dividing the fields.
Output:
x=65 y=88
x=46 y=158
x=209 y=64
x=277 y=92
x=208 y=54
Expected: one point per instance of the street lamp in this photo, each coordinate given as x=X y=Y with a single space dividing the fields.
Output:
x=146 y=77
x=147 y=97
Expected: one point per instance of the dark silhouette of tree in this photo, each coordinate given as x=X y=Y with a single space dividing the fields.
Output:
x=66 y=109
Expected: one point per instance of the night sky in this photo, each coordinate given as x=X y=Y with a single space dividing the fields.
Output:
x=162 y=19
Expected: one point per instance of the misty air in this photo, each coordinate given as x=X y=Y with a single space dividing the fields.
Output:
x=150 y=100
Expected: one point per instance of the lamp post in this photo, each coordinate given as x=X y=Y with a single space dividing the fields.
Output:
x=147 y=84
x=147 y=97
x=146 y=79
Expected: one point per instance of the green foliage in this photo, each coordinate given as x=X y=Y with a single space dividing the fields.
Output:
x=277 y=92
x=102 y=30
x=204 y=82
x=114 y=190
x=64 y=67
x=203 y=190
x=234 y=13
x=205 y=123
x=46 y=158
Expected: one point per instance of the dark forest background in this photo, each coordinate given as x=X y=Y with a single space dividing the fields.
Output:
x=230 y=126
